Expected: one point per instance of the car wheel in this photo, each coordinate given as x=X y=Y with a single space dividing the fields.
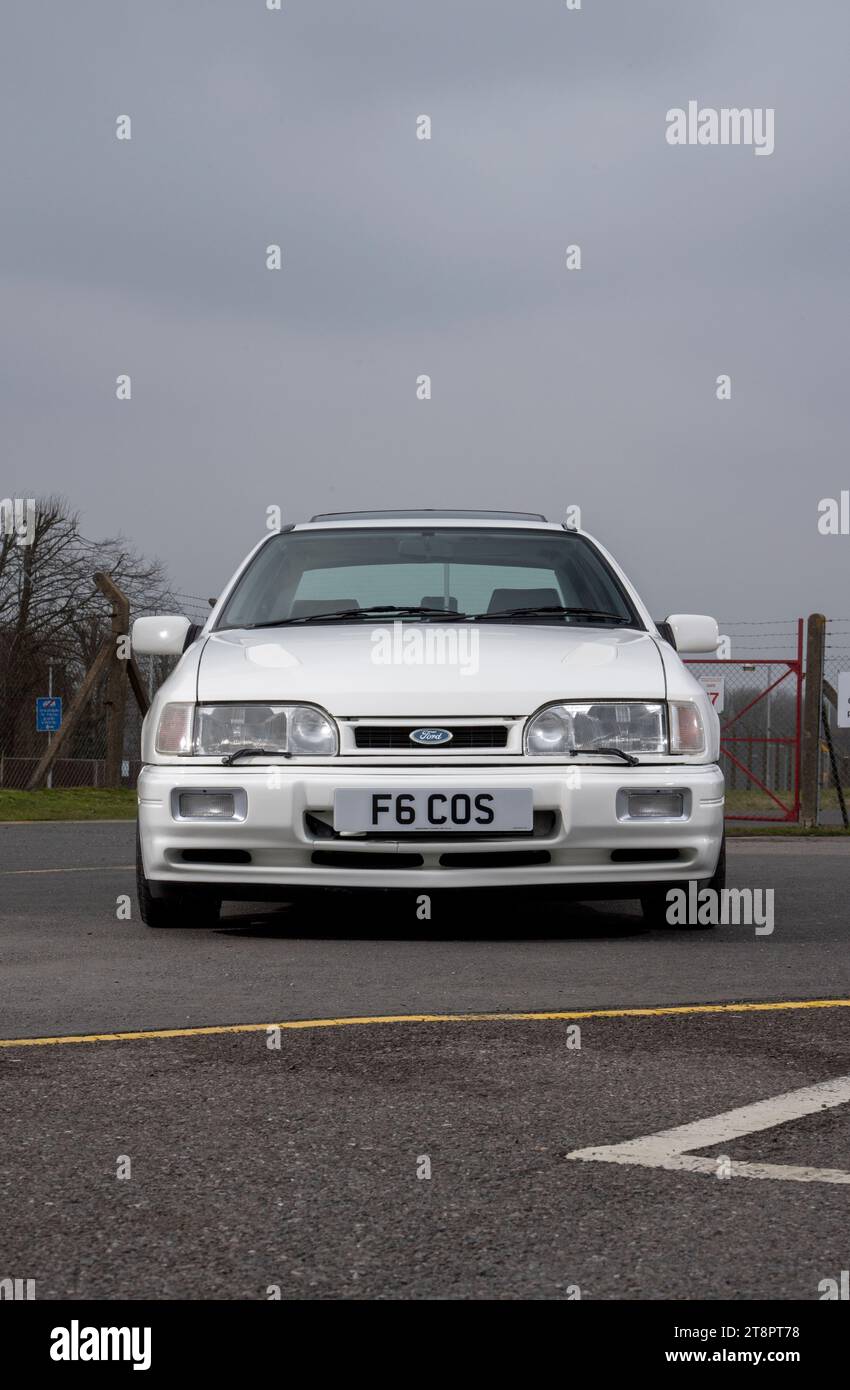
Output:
x=195 y=907
x=654 y=900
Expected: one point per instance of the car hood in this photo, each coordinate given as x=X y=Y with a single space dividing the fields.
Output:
x=430 y=670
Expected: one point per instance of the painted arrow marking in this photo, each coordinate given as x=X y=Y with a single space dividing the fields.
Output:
x=669 y=1147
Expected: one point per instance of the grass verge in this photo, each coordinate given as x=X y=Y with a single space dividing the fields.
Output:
x=69 y=803
x=736 y=830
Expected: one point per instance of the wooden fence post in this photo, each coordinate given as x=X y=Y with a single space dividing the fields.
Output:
x=116 y=682
x=810 y=753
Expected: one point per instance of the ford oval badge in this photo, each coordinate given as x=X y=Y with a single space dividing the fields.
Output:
x=436 y=736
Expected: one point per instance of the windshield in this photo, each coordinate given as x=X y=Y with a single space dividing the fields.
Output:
x=352 y=575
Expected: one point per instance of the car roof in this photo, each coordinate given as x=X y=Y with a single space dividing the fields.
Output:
x=430 y=512
x=433 y=515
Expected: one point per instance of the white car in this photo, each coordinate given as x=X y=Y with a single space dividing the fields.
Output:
x=426 y=700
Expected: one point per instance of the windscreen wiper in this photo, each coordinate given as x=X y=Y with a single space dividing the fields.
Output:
x=555 y=609
x=231 y=758
x=605 y=753
x=375 y=610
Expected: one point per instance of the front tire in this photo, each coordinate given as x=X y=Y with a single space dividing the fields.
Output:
x=654 y=900
x=193 y=907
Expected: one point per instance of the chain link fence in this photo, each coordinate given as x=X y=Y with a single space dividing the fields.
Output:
x=756 y=690
x=21 y=743
x=83 y=761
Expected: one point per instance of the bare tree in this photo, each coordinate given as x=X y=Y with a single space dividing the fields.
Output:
x=51 y=611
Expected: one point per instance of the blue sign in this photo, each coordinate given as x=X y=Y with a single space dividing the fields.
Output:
x=48 y=714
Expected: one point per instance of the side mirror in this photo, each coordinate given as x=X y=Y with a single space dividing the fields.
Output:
x=164 y=636
x=693 y=632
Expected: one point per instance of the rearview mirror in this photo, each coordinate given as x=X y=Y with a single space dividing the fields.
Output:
x=165 y=636
x=427 y=548
x=693 y=632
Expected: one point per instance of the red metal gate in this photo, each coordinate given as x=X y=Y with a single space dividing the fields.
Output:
x=760 y=732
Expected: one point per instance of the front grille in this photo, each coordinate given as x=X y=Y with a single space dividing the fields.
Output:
x=463 y=736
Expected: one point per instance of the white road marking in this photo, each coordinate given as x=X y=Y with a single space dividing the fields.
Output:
x=668 y=1148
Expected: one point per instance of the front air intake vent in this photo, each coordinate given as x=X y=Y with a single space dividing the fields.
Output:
x=496 y=859
x=345 y=859
x=643 y=856
x=215 y=856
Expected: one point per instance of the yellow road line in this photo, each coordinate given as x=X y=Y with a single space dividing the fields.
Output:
x=554 y=1015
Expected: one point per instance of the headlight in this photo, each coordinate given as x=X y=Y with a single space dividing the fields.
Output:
x=310 y=731
x=221 y=729
x=632 y=727
x=217 y=730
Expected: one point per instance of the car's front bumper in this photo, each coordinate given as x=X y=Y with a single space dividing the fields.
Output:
x=287 y=829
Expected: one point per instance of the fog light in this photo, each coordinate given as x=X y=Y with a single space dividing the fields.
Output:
x=658 y=805
x=207 y=805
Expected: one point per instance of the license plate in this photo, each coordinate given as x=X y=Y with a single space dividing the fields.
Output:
x=470 y=809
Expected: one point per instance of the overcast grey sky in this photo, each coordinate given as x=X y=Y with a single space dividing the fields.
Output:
x=446 y=257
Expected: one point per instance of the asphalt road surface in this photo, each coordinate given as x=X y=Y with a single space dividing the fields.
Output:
x=419 y=1159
